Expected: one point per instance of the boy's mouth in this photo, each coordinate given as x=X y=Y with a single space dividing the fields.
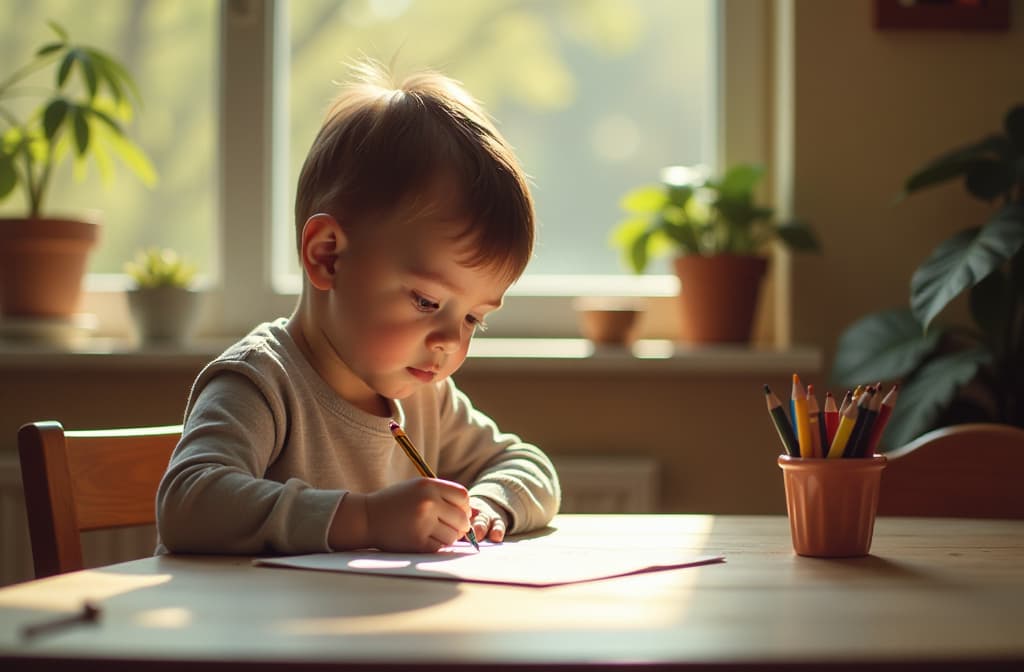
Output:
x=420 y=374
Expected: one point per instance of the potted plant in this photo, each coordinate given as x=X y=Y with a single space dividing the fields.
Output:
x=951 y=373
x=161 y=301
x=720 y=237
x=42 y=255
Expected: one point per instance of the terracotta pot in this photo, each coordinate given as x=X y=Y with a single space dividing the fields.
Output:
x=832 y=503
x=42 y=263
x=718 y=296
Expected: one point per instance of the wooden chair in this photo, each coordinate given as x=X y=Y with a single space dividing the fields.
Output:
x=87 y=480
x=970 y=471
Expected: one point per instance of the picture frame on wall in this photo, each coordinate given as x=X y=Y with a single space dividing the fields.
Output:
x=960 y=15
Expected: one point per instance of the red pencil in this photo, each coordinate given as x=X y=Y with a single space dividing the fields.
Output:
x=831 y=417
x=884 y=411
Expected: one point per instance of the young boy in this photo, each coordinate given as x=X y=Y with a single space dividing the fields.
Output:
x=413 y=218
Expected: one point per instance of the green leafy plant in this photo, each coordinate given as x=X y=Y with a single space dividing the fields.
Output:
x=79 y=116
x=154 y=267
x=954 y=373
x=692 y=213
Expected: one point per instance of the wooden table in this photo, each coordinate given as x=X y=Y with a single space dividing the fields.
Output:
x=934 y=594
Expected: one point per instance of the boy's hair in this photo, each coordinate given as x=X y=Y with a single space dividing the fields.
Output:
x=381 y=146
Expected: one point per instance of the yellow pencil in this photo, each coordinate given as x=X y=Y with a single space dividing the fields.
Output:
x=421 y=465
x=800 y=418
x=847 y=419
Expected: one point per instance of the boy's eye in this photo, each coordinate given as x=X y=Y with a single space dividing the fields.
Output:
x=477 y=323
x=424 y=304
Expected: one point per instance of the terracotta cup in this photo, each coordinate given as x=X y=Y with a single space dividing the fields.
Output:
x=832 y=503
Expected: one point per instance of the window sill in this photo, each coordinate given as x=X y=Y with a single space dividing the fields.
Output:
x=540 y=355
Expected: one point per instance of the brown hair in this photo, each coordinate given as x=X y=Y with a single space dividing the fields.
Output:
x=381 y=145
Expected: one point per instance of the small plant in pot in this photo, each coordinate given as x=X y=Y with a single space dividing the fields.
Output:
x=720 y=237
x=951 y=370
x=79 y=115
x=162 y=303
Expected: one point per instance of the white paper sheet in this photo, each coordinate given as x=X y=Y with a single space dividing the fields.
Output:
x=526 y=562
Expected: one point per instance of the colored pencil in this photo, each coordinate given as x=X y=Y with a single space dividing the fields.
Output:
x=421 y=465
x=781 y=422
x=852 y=445
x=847 y=419
x=800 y=418
x=884 y=411
x=831 y=414
x=816 y=421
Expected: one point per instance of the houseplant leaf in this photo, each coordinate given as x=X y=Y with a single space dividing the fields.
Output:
x=988 y=300
x=925 y=395
x=963 y=260
x=989 y=179
x=882 y=346
x=8 y=179
x=798 y=236
x=956 y=163
x=1014 y=125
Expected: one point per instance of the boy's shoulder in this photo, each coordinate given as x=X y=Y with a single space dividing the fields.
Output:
x=266 y=354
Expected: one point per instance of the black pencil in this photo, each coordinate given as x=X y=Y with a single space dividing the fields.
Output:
x=781 y=422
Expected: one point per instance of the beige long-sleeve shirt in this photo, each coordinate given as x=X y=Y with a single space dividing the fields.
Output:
x=269 y=450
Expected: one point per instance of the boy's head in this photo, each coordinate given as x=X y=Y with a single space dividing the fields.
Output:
x=383 y=149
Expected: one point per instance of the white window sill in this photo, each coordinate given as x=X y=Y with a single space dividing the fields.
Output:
x=569 y=355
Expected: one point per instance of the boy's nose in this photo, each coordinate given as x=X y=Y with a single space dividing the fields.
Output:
x=445 y=340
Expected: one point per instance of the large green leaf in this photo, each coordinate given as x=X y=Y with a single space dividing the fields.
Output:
x=924 y=396
x=987 y=180
x=8 y=178
x=1014 y=125
x=798 y=236
x=644 y=200
x=988 y=302
x=956 y=163
x=882 y=346
x=963 y=260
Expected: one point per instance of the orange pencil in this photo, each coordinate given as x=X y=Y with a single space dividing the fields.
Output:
x=884 y=411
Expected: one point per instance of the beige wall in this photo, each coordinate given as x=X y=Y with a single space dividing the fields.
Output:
x=869 y=108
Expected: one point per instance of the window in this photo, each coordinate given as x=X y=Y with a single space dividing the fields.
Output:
x=595 y=96
x=624 y=87
x=170 y=49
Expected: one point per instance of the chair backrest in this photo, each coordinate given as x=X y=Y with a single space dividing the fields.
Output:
x=87 y=480
x=971 y=471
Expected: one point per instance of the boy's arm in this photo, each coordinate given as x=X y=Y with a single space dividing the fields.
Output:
x=214 y=497
x=514 y=477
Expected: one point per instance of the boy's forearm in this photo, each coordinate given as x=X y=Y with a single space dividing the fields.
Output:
x=349 y=529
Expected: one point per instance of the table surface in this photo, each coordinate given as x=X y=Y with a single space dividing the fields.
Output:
x=933 y=594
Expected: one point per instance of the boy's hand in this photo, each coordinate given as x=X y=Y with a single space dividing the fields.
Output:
x=489 y=520
x=419 y=515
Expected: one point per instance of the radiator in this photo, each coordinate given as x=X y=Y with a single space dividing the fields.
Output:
x=589 y=485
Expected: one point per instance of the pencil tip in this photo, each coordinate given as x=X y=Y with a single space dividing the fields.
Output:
x=392 y=425
x=767 y=390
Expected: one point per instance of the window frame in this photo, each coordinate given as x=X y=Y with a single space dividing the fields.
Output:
x=750 y=67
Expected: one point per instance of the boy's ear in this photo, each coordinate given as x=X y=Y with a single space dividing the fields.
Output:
x=323 y=240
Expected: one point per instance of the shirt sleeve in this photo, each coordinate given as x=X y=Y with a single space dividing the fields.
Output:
x=499 y=466
x=214 y=497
